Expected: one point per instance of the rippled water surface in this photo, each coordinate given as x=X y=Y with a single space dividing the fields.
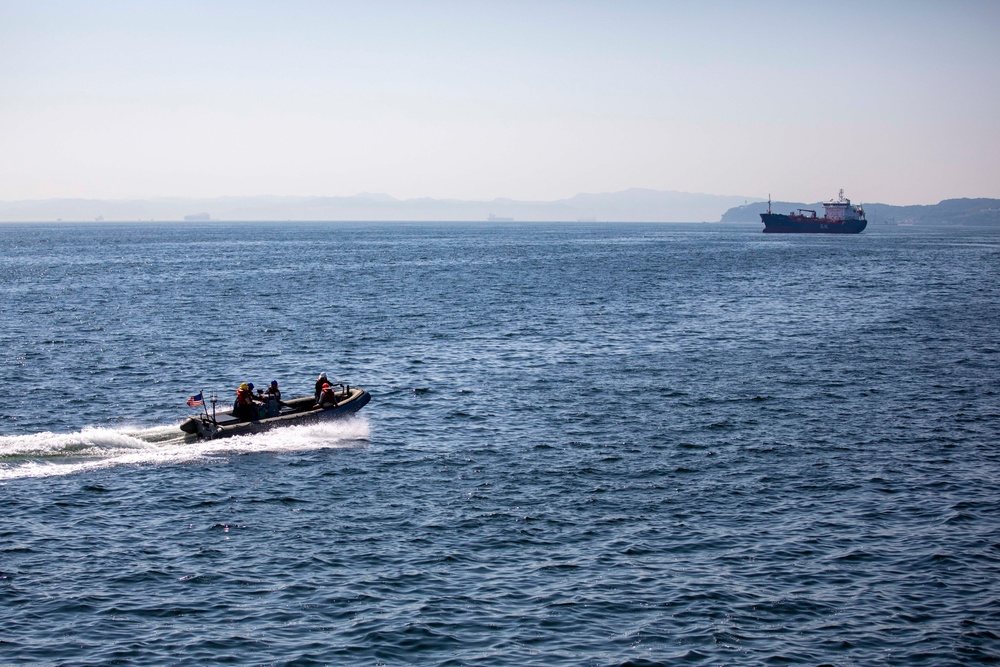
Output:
x=587 y=445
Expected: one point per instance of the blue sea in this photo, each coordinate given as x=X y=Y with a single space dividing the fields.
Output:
x=588 y=444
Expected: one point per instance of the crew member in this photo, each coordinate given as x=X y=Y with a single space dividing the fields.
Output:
x=327 y=396
x=244 y=407
x=272 y=399
x=320 y=381
x=273 y=391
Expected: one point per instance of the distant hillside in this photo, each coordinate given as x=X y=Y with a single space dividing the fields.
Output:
x=965 y=212
x=635 y=205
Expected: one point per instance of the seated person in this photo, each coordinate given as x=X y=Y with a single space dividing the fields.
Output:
x=273 y=391
x=272 y=399
x=244 y=407
x=327 y=396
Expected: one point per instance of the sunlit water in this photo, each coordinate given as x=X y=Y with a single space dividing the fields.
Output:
x=587 y=445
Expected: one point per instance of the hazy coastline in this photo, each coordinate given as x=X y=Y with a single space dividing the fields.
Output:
x=633 y=205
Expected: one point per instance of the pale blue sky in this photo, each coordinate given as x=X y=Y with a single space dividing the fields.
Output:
x=894 y=101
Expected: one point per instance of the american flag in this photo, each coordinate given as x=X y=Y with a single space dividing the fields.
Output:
x=196 y=400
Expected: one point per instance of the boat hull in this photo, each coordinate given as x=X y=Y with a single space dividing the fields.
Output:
x=296 y=411
x=776 y=223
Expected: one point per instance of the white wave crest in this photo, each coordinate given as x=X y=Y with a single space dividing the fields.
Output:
x=47 y=454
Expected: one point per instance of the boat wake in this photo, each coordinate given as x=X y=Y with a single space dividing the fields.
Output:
x=49 y=454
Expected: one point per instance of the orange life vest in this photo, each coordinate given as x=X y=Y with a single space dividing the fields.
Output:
x=243 y=397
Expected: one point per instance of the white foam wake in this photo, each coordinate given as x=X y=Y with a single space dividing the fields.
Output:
x=48 y=454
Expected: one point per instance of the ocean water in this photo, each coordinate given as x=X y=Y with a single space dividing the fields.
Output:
x=587 y=444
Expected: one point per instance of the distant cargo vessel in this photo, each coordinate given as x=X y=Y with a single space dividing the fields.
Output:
x=839 y=217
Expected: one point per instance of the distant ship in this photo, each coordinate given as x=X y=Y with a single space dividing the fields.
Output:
x=497 y=218
x=839 y=217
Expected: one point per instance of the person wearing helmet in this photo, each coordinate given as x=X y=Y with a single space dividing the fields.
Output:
x=273 y=391
x=244 y=407
x=320 y=381
x=272 y=399
x=242 y=392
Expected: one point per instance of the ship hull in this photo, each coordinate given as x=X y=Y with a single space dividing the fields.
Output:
x=776 y=223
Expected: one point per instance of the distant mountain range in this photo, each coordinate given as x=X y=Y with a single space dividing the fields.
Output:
x=635 y=205
x=967 y=212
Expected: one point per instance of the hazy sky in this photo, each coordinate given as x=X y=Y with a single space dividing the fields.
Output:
x=897 y=102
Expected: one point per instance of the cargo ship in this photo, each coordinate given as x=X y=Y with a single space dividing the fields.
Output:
x=839 y=217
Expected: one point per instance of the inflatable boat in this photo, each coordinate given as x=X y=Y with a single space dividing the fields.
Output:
x=347 y=401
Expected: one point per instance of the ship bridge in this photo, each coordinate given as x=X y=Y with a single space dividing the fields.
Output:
x=840 y=209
